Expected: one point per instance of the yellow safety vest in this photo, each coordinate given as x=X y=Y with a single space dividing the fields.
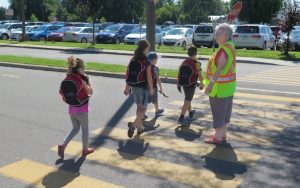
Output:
x=226 y=84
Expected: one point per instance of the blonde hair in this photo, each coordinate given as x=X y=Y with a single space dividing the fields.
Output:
x=74 y=64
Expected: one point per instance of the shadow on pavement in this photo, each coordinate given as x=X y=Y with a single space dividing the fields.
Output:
x=133 y=148
x=187 y=133
x=228 y=166
x=66 y=173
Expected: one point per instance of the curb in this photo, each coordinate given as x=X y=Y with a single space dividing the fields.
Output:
x=128 y=53
x=89 y=72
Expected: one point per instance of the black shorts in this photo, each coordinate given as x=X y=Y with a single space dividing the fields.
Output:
x=189 y=92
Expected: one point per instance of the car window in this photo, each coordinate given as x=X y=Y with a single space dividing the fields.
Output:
x=247 y=29
x=204 y=29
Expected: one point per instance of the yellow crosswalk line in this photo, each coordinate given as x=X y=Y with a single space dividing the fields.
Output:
x=236 y=136
x=244 y=111
x=269 y=82
x=180 y=145
x=174 y=172
x=41 y=175
x=267 y=97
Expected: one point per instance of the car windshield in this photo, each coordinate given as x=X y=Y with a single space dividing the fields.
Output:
x=177 y=32
x=165 y=29
x=63 y=29
x=139 y=30
x=112 y=28
x=204 y=29
x=4 y=26
x=247 y=29
x=41 y=28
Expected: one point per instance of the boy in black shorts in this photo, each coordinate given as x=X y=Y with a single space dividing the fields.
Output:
x=189 y=72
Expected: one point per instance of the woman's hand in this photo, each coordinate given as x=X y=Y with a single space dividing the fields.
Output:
x=151 y=91
x=126 y=91
x=201 y=86
x=208 y=89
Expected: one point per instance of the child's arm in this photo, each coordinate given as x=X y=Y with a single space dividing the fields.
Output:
x=159 y=84
x=126 y=90
x=88 y=88
x=200 y=76
x=149 y=79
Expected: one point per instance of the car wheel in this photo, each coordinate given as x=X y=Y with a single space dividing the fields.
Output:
x=264 y=47
x=118 y=41
x=4 y=37
x=183 y=44
x=84 y=40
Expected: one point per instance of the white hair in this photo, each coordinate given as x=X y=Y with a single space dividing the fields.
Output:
x=225 y=29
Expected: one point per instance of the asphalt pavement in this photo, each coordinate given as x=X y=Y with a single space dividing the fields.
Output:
x=262 y=150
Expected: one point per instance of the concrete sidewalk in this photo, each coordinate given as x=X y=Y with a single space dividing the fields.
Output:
x=249 y=60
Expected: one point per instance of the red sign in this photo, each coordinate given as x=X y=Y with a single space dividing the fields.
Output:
x=234 y=12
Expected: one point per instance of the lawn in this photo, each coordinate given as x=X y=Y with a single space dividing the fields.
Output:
x=89 y=65
x=269 y=54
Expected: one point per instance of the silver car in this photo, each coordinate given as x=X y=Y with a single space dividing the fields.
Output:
x=254 y=36
x=79 y=34
x=294 y=38
x=6 y=28
x=16 y=34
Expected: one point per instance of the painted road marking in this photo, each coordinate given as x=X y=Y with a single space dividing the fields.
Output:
x=179 y=145
x=268 y=82
x=174 y=172
x=206 y=131
x=38 y=174
x=267 y=97
x=268 y=91
x=11 y=76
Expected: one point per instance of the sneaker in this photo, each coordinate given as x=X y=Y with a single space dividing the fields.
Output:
x=191 y=114
x=159 y=112
x=183 y=121
x=130 y=130
x=140 y=131
x=88 y=151
x=61 y=151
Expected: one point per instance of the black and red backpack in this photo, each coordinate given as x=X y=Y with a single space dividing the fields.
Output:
x=72 y=90
x=136 y=72
x=188 y=73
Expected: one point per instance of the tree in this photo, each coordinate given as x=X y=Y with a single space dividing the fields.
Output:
x=33 y=18
x=291 y=17
x=168 y=12
x=2 y=13
x=259 y=11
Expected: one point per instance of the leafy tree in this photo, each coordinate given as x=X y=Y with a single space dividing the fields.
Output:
x=33 y=18
x=2 y=13
x=260 y=11
x=291 y=17
x=169 y=12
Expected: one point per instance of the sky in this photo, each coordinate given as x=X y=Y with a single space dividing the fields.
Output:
x=4 y=3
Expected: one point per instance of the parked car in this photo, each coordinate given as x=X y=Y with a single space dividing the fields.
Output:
x=76 y=24
x=79 y=34
x=36 y=23
x=178 y=37
x=139 y=33
x=114 y=33
x=41 y=33
x=5 y=29
x=190 y=26
x=16 y=34
x=101 y=26
x=58 y=34
x=294 y=39
x=254 y=36
x=204 y=36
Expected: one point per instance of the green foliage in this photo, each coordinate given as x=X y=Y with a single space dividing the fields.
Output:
x=2 y=13
x=260 y=11
x=169 y=12
x=102 y=20
x=33 y=18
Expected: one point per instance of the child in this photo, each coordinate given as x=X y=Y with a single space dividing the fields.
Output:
x=78 y=115
x=152 y=56
x=139 y=79
x=189 y=72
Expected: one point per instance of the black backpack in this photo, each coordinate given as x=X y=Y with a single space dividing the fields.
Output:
x=136 y=72
x=188 y=74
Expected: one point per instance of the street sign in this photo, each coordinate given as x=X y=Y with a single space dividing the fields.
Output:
x=234 y=12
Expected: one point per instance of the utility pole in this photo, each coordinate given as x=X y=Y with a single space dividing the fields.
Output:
x=23 y=19
x=151 y=21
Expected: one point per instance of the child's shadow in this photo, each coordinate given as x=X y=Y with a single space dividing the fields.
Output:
x=150 y=125
x=133 y=148
x=66 y=173
x=226 y=167
x=186 y=133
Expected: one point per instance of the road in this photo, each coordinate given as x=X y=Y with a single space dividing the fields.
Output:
x=262 y=150
x=249 y=75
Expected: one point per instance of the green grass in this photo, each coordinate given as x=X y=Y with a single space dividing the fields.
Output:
x=268 y=54
x=89 y=65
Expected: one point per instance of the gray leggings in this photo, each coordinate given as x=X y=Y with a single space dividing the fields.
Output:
x=79 y=120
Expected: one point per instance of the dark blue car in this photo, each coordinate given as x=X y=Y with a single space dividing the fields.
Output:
x=114 y=33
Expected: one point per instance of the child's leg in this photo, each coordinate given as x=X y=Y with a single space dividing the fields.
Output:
x=185 y=107
x=140 y=115
x=74 y=131
x=84 y=123
x=156 y=106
